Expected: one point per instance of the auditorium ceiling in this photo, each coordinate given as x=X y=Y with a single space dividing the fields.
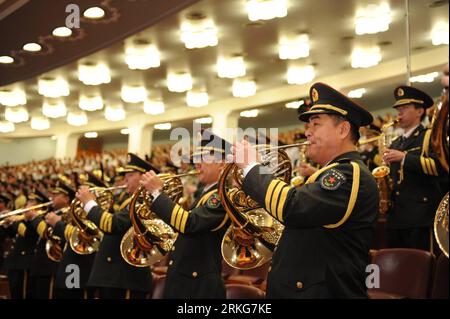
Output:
x=328 y=24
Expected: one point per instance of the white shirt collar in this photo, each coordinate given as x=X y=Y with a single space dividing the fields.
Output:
x=410 y=131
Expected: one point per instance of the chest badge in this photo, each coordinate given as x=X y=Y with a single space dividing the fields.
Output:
x=213 y=201
x=332 y=179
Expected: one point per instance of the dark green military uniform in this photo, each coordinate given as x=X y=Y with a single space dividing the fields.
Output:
x=324 y=248
x=323 y=251
x=83 y=262
x=110 y=272
x=195 y=264
x=416 y=182
x=18 y=261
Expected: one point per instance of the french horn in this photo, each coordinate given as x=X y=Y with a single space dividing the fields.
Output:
x=440 y=143
x=251 y=239
x=441 y=225
x=53 y=243
x=149 y=238
x=86 y=237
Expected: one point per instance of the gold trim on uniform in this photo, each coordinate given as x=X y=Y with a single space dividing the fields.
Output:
x=353 y=197
x=106 y=222
x=179 y=218
x=315 y=95
x=125 y=203
x=276 y=197
x=140 y=169
x=22 y=229
x=183 y=221
x=280 y=206
x=41 y=228
x=269 y=193
x=328 y=107
x=314 y=176
x=407 y=101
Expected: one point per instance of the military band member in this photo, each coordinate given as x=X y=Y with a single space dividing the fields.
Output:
x=111 y=274
x=195 y=262
x=415 y=172
x=18 y=261
x=62 y=229
x=4 y=200
x=43 y=269
x=323 y=251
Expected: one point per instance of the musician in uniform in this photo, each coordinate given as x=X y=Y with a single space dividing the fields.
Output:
x=111 y=274
x=323 y=251
x=415 y=172
x=64 y=230
x=20 y=259
x=43 y=269
x=195 y=264
x=4 y=200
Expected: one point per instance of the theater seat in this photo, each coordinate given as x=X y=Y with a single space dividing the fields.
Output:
x=159 y=283
x=404 y=273
x=4 y=287
x=228 y=271
x=253 y=276
x=239 y=291
x=440 y=279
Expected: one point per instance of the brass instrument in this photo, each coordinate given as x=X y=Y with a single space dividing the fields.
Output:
x=381 y=173
x=53 y=244
x=86 y=237
x=440 y=143
x=441 y=225
x=299 y=180
x=21 y=211
x=439 y=131
x=21 y=217
x=150 y=238
x=251 y=239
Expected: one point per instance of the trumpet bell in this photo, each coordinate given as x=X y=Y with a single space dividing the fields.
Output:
x=243 y=251
x=54 y=250
x=83 y=243
x=132 y=244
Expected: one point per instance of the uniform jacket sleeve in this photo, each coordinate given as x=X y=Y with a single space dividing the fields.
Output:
x=39 y=225
x=208 y=215
x=63 y=230
x=108 y=223
x=308 y=206
x=418 y=163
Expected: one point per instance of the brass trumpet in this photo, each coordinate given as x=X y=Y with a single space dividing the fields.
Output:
x=21 y=211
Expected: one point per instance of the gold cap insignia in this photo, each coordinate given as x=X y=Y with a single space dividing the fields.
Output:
x=400 y=92
x=315 y=95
